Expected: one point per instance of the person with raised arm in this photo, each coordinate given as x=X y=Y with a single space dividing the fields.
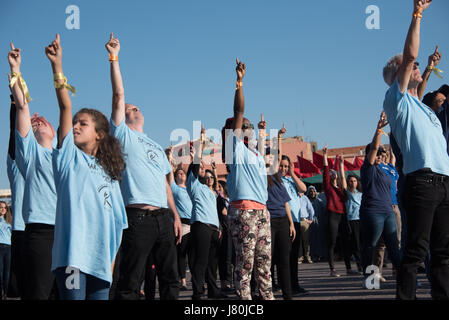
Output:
x=17 y=185
x=376 y=210
x=154 y=222
x=177 y=181
x=419 y=135
x=90 y=214
x=283 y=231
x=248 y=217
x=432 y=62
x=205 y=228
x=33 y=155
x=333 y=186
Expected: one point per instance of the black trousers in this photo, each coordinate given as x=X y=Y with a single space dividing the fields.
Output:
x=354 y=242
x=16 y=286
x=225 y=256
x=183 y=251
x=204 y=259
x=338 y=225
x=148 y=232
x=150 y=279
x=38 y=244
x=294 y=255
x=426 y=201
x=280 y=252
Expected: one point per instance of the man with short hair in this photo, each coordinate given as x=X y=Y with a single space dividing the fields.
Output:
x=419 y=135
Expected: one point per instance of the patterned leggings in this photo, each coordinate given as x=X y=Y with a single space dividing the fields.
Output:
x=251 y=235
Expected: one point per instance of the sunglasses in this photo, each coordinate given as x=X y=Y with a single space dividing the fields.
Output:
x=417 y=63
x=247 y=125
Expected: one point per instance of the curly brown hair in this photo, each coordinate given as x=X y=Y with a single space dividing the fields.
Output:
x=109 y=153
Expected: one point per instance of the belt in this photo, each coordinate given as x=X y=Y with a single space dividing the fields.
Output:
x=185 y=221
x=303 y=219
x=141 y=213
x=430 y=177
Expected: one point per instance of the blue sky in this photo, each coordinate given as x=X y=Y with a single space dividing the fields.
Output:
x=311 y=64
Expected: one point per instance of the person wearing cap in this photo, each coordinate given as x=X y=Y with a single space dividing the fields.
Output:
x=376 y=210
x=419 y=135
x=33 y=156
x=438 y=102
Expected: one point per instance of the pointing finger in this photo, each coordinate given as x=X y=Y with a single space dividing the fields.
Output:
x=261 y=117
x=237 y=60
x=12 y=46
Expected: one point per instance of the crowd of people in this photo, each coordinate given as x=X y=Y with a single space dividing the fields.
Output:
x=99 y=201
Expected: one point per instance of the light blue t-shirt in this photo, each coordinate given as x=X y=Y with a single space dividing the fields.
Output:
x=5 y=232
x=182 y=201
x=306 y=210
x=90 y=215
x=143 y=181
x=247 y=179
x=294 y=203
x=17 y=184
x=204 y=202
x=353 y=204
x=418 y=132
x=34 y=163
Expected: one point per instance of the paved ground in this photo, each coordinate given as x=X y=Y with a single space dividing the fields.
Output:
x=315 y=278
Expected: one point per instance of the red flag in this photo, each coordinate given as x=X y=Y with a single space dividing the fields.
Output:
x=336 y=163
x=317 y=160
x=358 y=163
x=306 y=168
x=349 y=166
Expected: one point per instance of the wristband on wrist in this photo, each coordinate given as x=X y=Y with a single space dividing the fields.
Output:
x=417 y=14
x=435 y=70
x=239 y=84
x=113 y=58
x=60 y=76
x=17 y=77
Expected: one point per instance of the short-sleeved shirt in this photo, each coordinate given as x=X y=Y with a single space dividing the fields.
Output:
x=353 y=204
x=417 y=131
x=247 y=179
x=5 y=232
x=34 y=163
x=90 y=216
x=376 y=196
x=182 y=201
x=394 y=175
x=277 y=197
x=204 y=202
x=143 y=181
x=294 y=203
x=17 y=184
x=307 y=211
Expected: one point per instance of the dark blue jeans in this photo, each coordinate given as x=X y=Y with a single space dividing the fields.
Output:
x=426 y=201
x=5 y=266
x=373 y=226
x=76 y=285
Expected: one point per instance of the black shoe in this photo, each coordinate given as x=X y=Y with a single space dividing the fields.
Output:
x=276 y=288
x=197 y=298
x=183 y=288
x=227 y=290
x=299 y=292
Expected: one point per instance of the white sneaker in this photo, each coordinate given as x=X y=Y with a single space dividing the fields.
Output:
x=381 y=279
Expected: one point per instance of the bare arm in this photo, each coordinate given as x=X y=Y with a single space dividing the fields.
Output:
x=171 y=205
x=239 y=101
x=54 y=54
x=12 y=128
x=290 y=221
x=344 y=185
x=411 y=47
x=262 y=127
x=23 y=122
x=300 y=186
x=118 y=92
x=375 y=143
x=433 y=61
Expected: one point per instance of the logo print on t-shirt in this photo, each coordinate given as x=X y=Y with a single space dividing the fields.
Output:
x=104 y=191
x=152 y=156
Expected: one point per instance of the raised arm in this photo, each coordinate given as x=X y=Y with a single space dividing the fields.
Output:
x=118 y=92
x=170 y=176
x=392 y=157
x=277 y=158
x=262 y=126
x=12 y=126
x=344 y=185
x=239 y=101
x=326 y=176
x=375 y=143
x=54 y=54
x=433 y=61
x=411 y=47
x=300 y=186
x=23 y=122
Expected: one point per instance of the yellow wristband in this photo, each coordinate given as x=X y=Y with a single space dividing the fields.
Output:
x=113 y=58
x=436 y=71
x=60 y=76
x=417 y=15
x=239 y=84
x=17 y=77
